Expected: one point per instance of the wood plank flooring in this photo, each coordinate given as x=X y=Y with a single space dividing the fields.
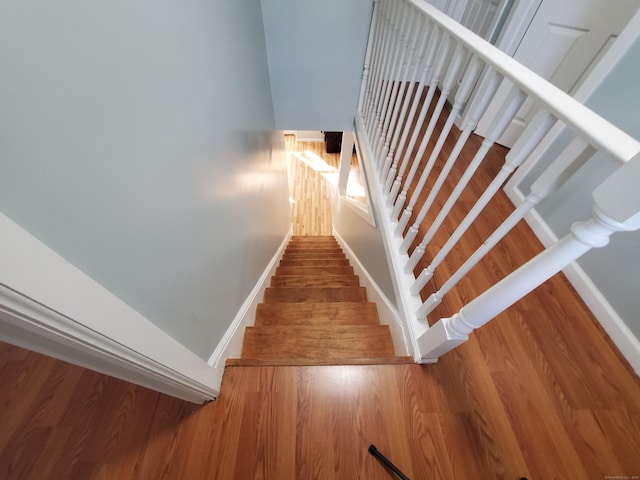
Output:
x=471 y=416
x=539 y=392
x=313 y=175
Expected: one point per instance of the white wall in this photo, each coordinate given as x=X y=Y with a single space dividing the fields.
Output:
x=316 y=56
x=613 y=269
x=137 y=141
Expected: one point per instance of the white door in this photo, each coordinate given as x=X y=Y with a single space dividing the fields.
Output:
x=563 y=43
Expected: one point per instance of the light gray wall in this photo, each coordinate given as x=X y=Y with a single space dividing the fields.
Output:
x=615 y=268
x=366 y=243
x=137 y=140
x=316 y=55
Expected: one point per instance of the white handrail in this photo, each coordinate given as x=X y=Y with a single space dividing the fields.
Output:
x=585 y=122
x=405 y=72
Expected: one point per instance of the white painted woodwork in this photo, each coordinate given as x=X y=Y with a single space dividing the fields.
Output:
x=452 y=68
x=563 y=42
x=616 y=209
x=50 y=306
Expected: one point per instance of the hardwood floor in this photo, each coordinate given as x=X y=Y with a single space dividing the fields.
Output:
x=313 y=191
x=471 y=416
x=540 y=392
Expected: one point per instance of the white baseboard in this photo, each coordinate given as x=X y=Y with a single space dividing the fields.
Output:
x=231 y=344
x=611 y=322
x=387 y=312
x=49 y=306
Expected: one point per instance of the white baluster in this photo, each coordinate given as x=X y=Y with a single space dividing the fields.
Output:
x=364 y=86
x=441 y=58
x=391 y=14
x=404 y=92
x=433 y=42
x=390 y=75
x=616 y=209
x=568 y=162
x=376 y=58
x=471 y=77
x=488 y=88
x=500 y=123
x=528 y=141
x=447 y=85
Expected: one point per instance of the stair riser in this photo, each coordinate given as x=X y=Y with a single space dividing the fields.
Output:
x=317 y=295
x=314 y=250
x=312 y=262
x=312 y=238
x=322 y=255
x=315 y=281
x=317 y=342
x=314 y=271
x=335 y=313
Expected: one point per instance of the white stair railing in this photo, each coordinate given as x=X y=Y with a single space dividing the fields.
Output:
x=416 y=58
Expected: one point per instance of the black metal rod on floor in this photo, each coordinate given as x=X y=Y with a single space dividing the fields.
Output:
x=374 y=451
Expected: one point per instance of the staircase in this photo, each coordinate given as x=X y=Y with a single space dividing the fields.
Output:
x=315 y=313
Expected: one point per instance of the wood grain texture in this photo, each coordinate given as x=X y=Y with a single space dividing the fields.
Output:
x=315 y=317
x=339 y=313
x=539 y=392
x=311 y=190
x=315 y=281
x=321 y=342
x=314 y=294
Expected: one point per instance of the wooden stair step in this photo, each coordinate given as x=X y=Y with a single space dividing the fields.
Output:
x=333 y=251
x=322 y=342
x=315 y=294
x=313 y=254
x=313 y=246
x=314 y=262
x=313 y=238
x=304 y=362
x=328 y=313
x=315 y=281
x=301 y=270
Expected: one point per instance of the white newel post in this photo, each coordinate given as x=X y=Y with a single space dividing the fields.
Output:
x=616 y=209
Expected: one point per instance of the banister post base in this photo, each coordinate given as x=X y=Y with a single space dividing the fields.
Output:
x=438 y=340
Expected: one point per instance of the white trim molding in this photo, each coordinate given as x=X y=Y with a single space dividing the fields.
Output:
x=231 y=344
x=387 y=312
x=50 y=306
x=408 y=305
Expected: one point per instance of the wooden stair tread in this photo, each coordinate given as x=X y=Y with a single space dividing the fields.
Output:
x=312 y=238
x=314 y=262
x=314 y=254
x=304 y=362
x=315 y=294
x=317 y=270
x=315 y=281
x=333 y=313
x=324 y=342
